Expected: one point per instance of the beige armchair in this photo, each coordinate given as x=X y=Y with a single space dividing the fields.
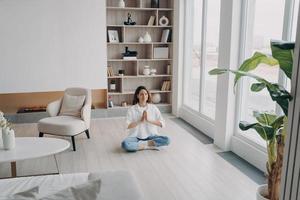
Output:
x=64 y=124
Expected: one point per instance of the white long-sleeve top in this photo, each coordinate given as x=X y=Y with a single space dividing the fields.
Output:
x=144 y=129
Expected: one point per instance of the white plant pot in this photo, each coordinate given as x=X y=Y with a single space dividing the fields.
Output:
x=8 y=137
x=262 y=191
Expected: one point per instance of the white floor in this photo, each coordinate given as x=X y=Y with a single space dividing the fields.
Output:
x=187 y=169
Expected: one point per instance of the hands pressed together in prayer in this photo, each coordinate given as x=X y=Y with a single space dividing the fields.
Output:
x=144 y=117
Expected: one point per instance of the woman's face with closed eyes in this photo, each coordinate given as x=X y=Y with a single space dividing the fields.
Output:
x=143 y=96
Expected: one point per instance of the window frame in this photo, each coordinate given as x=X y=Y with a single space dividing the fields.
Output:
x=247 y=8
x=189 y=43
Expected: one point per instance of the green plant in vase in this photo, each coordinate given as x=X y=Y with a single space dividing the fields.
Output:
x=270 y=126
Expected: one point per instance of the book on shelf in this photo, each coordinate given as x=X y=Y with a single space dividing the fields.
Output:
x=166 y=86
x=129 y=58
x=110 y=71
x=151 y=21
x=165 y=36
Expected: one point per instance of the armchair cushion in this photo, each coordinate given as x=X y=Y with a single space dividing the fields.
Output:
x=54 y=107
x=72 y=105
x=62 y=125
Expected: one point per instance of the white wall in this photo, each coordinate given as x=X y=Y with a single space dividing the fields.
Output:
x=48 y=45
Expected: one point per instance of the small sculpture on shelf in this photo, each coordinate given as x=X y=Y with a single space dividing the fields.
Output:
x=147 y=38
x=129 y=20
x=141 y=39
x=121 y=72
x=152 y=71
x=146 y=70
x=129 y=55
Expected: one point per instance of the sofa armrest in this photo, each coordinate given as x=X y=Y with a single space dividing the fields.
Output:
x=86 y=115
x=54 y=107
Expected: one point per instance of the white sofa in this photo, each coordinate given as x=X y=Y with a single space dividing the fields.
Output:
x=115 y=185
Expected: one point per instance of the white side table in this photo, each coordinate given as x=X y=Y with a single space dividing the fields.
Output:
x=31 y=147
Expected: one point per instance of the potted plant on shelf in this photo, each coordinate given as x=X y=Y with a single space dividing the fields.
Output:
x=8 y=134
x=270 y=126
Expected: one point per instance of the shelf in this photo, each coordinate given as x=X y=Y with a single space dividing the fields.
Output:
x=121 y=60
x=141 y=76
x=141 y=9
x=132 y=92
x=155 y=59
x=137 y=43
x=128 y=36
x=137 y=60
x=138 y=26
x=128 y=106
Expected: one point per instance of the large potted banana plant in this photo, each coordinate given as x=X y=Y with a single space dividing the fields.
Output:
x=270 y=126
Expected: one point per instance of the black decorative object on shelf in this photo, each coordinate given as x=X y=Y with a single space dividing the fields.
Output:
x=154 y=3
x=129 y=53
x=129 y=20
x=121 y=72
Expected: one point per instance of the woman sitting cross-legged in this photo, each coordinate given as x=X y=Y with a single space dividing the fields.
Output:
x=143 y=120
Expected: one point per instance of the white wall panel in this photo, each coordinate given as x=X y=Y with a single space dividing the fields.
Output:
x=48 y=45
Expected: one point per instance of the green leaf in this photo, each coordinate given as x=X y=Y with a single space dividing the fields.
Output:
x=277 y=92
x=280 y=96
x=264 y=117
x=256 y=87
x=252 y=63
x=266 y=132
x=278 y=123
x=217 y=71
x=283 y=52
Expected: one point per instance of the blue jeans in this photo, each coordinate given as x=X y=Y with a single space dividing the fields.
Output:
x=130 y=144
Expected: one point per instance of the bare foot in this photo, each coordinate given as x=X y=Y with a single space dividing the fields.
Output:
x=151 y=143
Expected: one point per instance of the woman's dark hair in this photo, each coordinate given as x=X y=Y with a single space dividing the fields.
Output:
x=137 y=91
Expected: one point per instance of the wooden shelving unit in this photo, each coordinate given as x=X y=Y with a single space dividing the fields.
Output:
x=126 y=84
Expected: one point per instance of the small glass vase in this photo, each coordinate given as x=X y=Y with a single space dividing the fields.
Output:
x=8 y=137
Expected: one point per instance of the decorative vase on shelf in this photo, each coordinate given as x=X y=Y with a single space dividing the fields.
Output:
x=147 y=38
x=8 y=137
x=141 y=39
x=155 y=98
x=163 y=21
x=154 y=3
x=121 y=4
x=146 y=70
x=152 y=71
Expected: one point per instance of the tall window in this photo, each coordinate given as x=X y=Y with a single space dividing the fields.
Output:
x=208 y=104
x=201 y=55
x=193 y=43
x=295 y=17
x=263 y=24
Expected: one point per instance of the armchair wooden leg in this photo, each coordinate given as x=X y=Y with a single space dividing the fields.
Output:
x=41 y=134
x=73 y=142
x=87 y=133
